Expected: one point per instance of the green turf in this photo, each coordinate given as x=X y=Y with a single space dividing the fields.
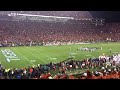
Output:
x=34 y=55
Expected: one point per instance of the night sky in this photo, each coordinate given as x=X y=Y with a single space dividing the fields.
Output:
x=110 y=16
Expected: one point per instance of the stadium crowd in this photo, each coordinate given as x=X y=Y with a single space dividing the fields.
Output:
x=13 y=33
x=98 y=68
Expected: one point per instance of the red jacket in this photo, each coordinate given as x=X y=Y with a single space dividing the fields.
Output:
x=71 y=77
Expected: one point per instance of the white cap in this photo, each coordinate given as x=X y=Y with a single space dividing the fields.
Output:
x=85 y=74
x=109 y=69
x=50 y=77
x=115 y=69
x=103 y=68
x=83 y=64
x=96 y=72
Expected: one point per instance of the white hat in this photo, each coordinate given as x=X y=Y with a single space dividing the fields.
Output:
x=109 y=69
x=103 y=68
x=115 y=69
x=50 y=77
x=85 y=74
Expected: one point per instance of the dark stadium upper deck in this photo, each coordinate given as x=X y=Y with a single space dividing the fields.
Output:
x=110 y=16
x=77 y=17
x=76 y=14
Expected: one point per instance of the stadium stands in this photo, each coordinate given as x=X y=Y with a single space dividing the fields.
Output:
x=21 y=32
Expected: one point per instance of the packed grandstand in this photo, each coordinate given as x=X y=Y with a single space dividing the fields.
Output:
x=24 y=29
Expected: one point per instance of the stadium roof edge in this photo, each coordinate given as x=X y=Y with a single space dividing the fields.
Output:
x=17 y=14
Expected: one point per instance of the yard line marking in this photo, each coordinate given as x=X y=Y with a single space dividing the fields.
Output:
x=42 y=54
x=24 y=56
x=38 y=57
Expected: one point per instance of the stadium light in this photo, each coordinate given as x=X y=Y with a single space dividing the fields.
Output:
x=45 y=16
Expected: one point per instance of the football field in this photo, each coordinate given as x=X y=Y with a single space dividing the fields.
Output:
x=20 y=57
